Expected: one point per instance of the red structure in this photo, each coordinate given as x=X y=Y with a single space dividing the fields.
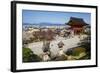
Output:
x=77 y=24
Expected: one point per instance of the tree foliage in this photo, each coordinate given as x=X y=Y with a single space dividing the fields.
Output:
x=29 y=56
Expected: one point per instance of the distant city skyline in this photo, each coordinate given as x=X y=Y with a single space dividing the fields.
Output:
x=54 y=17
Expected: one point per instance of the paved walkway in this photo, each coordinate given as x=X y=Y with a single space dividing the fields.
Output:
x=36 y=47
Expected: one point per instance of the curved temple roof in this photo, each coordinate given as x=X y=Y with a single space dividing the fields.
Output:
x=76 y=21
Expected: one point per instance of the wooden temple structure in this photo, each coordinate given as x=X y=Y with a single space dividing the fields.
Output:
x=77 y=24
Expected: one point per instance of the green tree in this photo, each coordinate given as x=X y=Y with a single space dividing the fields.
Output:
x=29 y=56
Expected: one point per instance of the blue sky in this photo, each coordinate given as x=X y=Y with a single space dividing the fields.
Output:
x=33 y=16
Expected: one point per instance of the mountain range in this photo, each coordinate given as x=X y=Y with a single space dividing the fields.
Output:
x=45 y=24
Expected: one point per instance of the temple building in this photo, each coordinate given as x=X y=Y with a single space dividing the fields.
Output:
x=77 y=24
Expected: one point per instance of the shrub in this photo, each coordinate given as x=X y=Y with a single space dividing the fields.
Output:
x=86 y=43
x=29 y=56
x=78 y=50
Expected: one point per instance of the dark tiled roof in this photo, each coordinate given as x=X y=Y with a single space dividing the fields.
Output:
x=75 y=21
